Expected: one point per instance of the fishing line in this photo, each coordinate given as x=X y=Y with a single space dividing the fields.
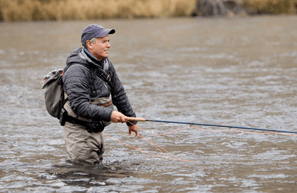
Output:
x=164 y=151
x=153 y=154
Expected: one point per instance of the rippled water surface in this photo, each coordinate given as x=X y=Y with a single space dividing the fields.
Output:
x=227 y=71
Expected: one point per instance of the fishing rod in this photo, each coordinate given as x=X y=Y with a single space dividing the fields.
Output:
x=211 y=125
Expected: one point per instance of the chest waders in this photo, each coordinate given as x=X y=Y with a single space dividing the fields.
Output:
x=91 y=126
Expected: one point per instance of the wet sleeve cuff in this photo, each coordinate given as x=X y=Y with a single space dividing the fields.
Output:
x=129 y=123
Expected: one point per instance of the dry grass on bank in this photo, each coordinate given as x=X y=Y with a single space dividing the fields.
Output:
x=27 y=10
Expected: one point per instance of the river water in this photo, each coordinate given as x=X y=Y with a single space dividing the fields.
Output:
x=226 y=71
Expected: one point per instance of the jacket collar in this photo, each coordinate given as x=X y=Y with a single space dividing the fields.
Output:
x=91 y=59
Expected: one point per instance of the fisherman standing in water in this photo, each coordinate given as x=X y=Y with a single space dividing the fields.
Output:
x=92 y=87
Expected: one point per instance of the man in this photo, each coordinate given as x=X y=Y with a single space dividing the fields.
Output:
x=92 y=87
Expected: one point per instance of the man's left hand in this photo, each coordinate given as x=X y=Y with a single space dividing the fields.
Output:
x=133 y=128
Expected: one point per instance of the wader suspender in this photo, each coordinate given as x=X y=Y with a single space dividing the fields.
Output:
x=103 y=76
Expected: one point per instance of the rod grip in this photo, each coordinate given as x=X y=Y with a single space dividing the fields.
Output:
x=135 y=119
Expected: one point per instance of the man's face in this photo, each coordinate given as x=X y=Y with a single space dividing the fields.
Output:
x=100 y=48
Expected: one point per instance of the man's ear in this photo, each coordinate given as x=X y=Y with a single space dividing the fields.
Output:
x=89 y=44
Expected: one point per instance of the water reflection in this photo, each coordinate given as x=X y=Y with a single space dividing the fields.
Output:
x=100 y=175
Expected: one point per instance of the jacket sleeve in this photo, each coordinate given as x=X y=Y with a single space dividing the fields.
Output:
x=78 y=89
x=119 y=96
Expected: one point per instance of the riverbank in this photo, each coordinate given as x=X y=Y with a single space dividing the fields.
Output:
x=29 y=10
x=33 y=10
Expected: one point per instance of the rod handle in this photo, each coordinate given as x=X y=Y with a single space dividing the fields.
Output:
x=135 y=119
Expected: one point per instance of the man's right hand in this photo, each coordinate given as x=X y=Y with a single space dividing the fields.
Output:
x=117 y=116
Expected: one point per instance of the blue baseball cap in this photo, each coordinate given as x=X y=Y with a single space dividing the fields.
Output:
x=94 y=31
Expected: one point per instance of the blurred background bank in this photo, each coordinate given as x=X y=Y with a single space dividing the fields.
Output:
x=34 y=10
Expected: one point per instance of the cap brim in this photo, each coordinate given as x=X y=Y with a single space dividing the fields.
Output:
x=112 y=31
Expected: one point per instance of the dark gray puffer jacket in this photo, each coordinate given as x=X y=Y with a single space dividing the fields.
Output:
x=81 y=84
